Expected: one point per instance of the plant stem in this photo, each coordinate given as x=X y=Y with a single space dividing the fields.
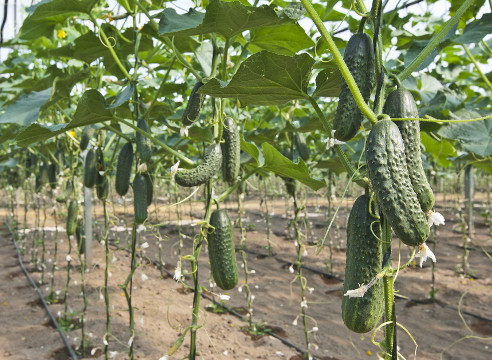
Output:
x=485 y=79
x=340 y=62
x=389 y=297
x=158 y=92
x=243 y=258
x=435 y=40
x=236 y=185
x=106 y=276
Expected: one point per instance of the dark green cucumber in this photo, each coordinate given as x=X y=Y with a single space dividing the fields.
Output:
x=150 y=187
x=73 y=210
x=359 y=57
x=221 y=251
x=124 y=169
x=86 y=136
x=102 y=181
x=194 y=105
x=80 y=236
x=364 y=261
x=140 y=199
x=205 y=171
x=101 y=138
x=28 y=166
x=231 y=151
x=387 y=170
x=52 y=176
x=42 y=178
x=63 y=197
x=143 y=143
x=301 y=146
x=400 y=104
x=60 y=157
x=90 y=169
x=290 y=186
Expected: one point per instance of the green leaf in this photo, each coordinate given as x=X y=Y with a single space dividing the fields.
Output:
x=225 y=18
x=334 y=164
x=279 y=164
x=284 y=40
x=46 y=9
x=475 y=31
x=328 y=83
x=63 y=86
x=90 y=110
x=204 y=54
x=415 y=50
x=200 y=134
x=265 y=79
x=429 y=87
x=25 y=110
x=252 y=150
x=122 y=97
x=440 y=150
x=88 y=48
x=34 y=29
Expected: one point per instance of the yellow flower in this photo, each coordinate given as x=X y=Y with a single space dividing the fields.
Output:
x=72 y=133
x=188 y=58
x=62 y=34
x=369 y=352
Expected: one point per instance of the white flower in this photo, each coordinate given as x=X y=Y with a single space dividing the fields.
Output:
x=105 y=342
x=240 y=289
x=130 y=342
x=315 y=328
x=435 y=218
x=141 y=320
x=252 y=272
x=357 y=292
x=252 y=298
x=165 y=357
x=145 y=245
x=143 y=277
x=142 y=167
x=291 y=269
x=304 y=304
x=141 y=228
x=424 y=252
x=305 y=253
x=295 y=321
x=224 y=297
x=184 y=131
x=279 y=353
x=121 y=202
x=71 y=237
x=109 y=274
x=332 y=141
x=177 y=273
x=311 y=290
x=101 y=173
x=101 y=297
x=112 y=354
x=69 y=258
x=174 y=169
x=93 y=351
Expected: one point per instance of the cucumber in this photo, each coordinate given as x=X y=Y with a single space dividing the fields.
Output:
x=194 y=105
x=86 y=136
x=359 y=57
x=63 y=197
x=80 y=236
x=205 y=171
x=221 y=251
x=301 y=146
x=140 y=199
x=124 y=169
x=101 y=138
x=28 y=166
x=149 y=180
x=143 y=143
x=364 y=261
x=52 y=176
x=231 y=151
x=102 y=182
x=387 y=170
x=290 y=186
x=90 y=169
x=73 y=210
x=42 y=178
x=400 y=104
x=60 y=157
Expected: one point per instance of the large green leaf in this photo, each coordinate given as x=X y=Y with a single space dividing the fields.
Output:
x=475 y=31
x=90 y=110
x=440 y=150
x=25 y=110
x=62 y=87
x=34 y=29
x=49 y=8
x=225 y=18
x=333 y=164
x=415 y=49
x=265 y=79
x=328 y=83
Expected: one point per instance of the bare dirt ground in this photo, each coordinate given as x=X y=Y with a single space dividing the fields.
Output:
x=163 y=310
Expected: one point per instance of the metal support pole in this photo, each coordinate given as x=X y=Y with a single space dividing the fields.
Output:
x=469 y=199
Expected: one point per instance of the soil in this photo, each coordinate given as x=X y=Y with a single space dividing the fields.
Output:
x=163 y=309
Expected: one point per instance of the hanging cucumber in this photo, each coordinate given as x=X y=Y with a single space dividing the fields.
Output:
x=387 y=169
x=360 y=60
x=80 y=236
x=195 y=102
x=90 y=169
x=52 y=176
x=102 y=181
x=143 y=143
x=221 y=251
x=400 y=104
x=140 y=199
x=124 y=169
x=205 y=171
x=86 y=136
x=364 y=261
x=63 y=197
x=149 y=180
x=73 y=210
x=231 y=151
x=301 y=146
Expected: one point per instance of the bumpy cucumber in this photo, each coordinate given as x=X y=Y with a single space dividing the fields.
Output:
x=86 y=136
x=387 y=169
x=149 y=180
x=143 y=143
x=73 y=210
x=364 y=260
x=102 y=182
x=400 y=104
x=90 y=169
x=195 y=102
x=221 y=251
x=101 y=137
x=124 y=169
x=359 y=57
x=290 y=186
x=205 y=171
x=140 y=199
x=79 y=235
x=63 y=197
x=301 y=146
x=60 y=157
x=52 y=176
x=42 y=178
x=231 y=151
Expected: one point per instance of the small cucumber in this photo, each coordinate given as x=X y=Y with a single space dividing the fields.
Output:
x=102 y=182
x=124 y=169
x=140 y=199
x=221 y=251
x=400 y=104
x=231 y=151
x=195 y=102
x=149 y=179
x=90 y=169
x=73 y=210
x=52 y=176
x=301 y=146
x=290 y=186
x=143 y=143
x=63 y=197
x=80 y=236
x=387 y=170
x=86 y=136
x=364 y=261
x=205 y=171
